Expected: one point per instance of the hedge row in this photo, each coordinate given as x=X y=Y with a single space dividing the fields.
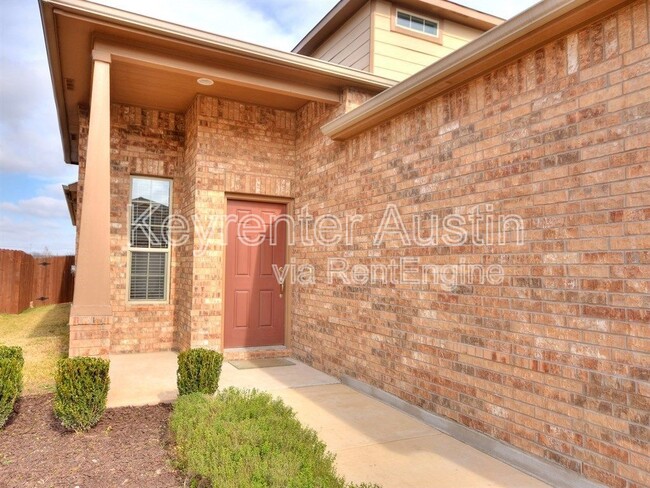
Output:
x=245 y=438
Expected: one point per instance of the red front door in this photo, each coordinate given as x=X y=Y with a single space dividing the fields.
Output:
x=254 y=299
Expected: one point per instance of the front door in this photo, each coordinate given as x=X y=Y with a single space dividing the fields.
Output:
x=254 y=299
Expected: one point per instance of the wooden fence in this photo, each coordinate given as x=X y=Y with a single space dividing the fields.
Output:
x=27 y=281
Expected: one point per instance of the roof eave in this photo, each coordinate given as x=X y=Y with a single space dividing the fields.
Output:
x=343 y=10
x=70 y=193
x=52 y=50
x=327 y=25
x=174 y=32
x=494 y=48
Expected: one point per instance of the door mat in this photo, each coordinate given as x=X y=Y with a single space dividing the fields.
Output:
x=261 y=363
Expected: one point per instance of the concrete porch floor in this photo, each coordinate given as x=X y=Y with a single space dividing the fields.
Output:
x=373 y=442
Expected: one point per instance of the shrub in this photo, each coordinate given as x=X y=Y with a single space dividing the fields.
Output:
x=12 y=352
x=11 y=380
x=81 y=389
x=198 y=371
x=241 y=438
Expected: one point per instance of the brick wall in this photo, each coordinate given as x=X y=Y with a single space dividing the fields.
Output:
x=232 y=147
x=556 y=360
x=201 y=152
x=184 y=254
x=143 y=142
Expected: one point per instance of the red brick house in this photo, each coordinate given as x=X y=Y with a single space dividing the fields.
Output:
x=545 y=116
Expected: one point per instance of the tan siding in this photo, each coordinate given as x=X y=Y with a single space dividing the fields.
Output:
x=350 y=45
x=398 y=55
x=457 y=35
x=361 y=64
x=389 y=73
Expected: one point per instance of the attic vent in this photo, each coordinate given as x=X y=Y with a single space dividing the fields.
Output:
x=69 y=83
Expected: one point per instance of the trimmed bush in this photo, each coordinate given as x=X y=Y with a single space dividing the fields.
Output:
x=198 y=371
x=81 y=388
x=244 y=438
x=11 y=380
x=12 y=352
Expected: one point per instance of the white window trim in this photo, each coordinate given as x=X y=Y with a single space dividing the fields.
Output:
x=131 y=249
x=424 y=18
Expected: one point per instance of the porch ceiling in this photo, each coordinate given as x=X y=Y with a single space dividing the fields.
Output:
x=156 y=64
x=156 y=87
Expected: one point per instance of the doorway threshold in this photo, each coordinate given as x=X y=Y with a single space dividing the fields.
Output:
x=263 y=352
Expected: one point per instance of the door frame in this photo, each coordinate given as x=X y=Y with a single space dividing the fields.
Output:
x=245 y=197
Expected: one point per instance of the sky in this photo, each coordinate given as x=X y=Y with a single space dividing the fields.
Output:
x=33 y=213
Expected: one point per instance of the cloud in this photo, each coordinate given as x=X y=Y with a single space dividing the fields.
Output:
x=29 y=134
x=278 y=24
x=45 y=207
x=504 y=8
x=30 y=147
x=35 y=223
x=36 y=235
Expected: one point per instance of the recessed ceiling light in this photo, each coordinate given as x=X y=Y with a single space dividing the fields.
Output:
x=205 y=81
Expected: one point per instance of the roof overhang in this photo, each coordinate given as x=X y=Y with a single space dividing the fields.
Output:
x=70 y=193
x=527 y=31
x=345 y=9
x=156 y=64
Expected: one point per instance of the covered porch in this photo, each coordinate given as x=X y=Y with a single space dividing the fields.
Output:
x=210 y=119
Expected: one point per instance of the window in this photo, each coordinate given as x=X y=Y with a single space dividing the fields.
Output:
x=418 y=24
x=149 y=239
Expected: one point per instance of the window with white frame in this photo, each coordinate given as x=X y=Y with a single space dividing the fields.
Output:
x=149 y=241
x=419 y=24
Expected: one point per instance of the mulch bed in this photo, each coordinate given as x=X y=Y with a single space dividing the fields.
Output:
x=126 y=448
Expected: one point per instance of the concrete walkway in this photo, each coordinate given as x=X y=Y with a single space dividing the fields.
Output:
x=373 y=442
x=142 y=379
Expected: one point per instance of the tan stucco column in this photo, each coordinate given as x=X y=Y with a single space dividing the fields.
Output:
x=91 y=308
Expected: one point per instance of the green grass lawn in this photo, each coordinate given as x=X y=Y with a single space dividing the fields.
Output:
x=42 y=332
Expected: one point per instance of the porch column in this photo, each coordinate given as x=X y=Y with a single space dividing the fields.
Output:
x=91 y=313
